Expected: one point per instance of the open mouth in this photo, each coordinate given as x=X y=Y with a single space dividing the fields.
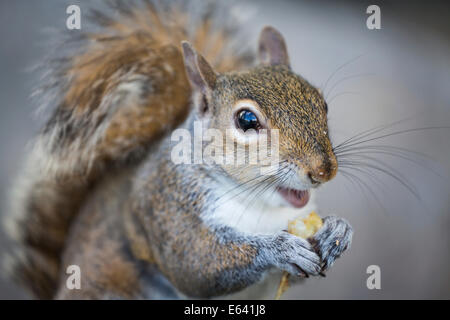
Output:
x=297 y=198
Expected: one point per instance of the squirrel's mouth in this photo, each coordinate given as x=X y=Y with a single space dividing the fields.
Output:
x=297 y=198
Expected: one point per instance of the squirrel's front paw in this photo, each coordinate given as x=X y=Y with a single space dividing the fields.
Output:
x=332 y=240
x=295 y=255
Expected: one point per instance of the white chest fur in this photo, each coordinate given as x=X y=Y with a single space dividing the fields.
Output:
x=268 y=214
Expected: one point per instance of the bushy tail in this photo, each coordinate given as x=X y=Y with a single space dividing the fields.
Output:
x=121 y=88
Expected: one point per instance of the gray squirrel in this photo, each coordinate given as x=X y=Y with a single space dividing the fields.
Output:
x=99 y=189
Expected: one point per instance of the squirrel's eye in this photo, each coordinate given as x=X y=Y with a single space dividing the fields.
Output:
x=247 y=120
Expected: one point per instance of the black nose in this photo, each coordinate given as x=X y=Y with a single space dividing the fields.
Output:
x=318 y=177
x=312 y=178
x=323 y=171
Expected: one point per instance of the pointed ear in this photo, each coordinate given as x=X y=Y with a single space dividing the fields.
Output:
x=272 y=48
x=200 y=74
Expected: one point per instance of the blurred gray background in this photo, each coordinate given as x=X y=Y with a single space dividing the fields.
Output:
x=399 y=72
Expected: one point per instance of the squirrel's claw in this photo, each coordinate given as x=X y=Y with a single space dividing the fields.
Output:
x=332 y=240
x=296 y=255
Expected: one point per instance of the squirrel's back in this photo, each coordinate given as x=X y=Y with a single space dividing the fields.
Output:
x=123 y=89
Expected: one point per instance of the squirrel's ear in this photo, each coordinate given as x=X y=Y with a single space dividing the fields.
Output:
x=200 y=74
x=272 y=48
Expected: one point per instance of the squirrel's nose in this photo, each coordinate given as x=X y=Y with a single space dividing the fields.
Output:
x=323 y=171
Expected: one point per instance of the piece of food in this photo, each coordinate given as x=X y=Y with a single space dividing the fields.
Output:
x=304 y=228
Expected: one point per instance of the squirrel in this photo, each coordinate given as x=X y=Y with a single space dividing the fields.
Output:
x=99 y=189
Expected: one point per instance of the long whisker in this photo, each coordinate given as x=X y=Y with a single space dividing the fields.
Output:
x=374 y=178
x=341 y=94
x=390 y=135
x=237 y=170
x=255 y=193
x=363 y=186
x=386 y=147
x=283 y=180
x=340 y=68
x=367 y=172
x=386 y=169
x=259 y=193
x=385 y=150
x=345 y=79
x=371 y=131
x=249 y=185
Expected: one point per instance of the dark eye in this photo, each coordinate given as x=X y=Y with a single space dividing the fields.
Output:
x=247 y=120
x=326 y=107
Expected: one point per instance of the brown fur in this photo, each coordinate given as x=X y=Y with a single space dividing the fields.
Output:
x=96 y=244
x=119 y=219
x=291 y=105
x=169 y=230
x=90 y=134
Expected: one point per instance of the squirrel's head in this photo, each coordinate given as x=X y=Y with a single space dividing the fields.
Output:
x=269 y=96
